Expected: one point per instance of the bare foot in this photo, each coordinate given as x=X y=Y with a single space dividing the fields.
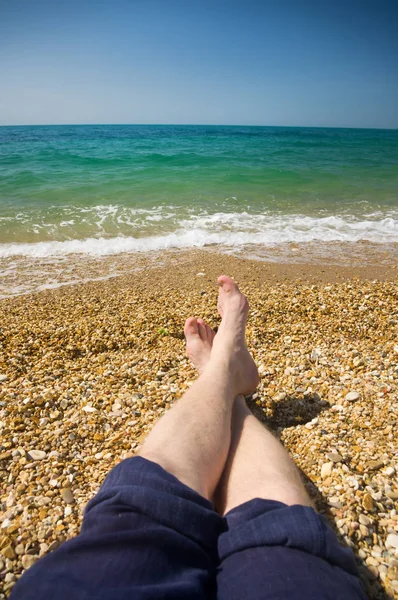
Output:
x=199 y=337
x=229 y=344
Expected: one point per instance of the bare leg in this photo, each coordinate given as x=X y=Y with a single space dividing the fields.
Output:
x=258 y=466
x=192 y=440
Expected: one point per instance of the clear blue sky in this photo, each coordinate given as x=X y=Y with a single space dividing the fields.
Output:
x=265 y=62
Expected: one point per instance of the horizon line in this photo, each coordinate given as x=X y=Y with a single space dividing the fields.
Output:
x=195 y=125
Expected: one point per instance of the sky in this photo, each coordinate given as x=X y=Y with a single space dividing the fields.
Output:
x=244 y=62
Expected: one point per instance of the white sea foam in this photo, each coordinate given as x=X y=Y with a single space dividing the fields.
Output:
x=228 y=229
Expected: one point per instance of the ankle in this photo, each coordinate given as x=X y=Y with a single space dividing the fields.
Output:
x=222 y=370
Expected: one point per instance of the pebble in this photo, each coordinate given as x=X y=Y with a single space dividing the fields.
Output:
x=375 y=465
x=364 y=520
x=353 y=482
x=334 y=457
x=19 y=549
x=392 y=573
x=43 y=548
x=89 y=409
x=367 y=502
x=53 y=545
x=315 y=355
x=352 y=396
x=335 y=502
x=37 y=454
x=8 y=552
x=392 y=540
x=67 y=495
x=364 y=530
x=326 y=469
x=28 y=560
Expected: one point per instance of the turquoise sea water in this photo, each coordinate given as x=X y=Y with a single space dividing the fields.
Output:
x=106 y=190
x=254 y=184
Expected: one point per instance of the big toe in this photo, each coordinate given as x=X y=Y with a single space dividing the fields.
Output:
x=229 y=296
x=191 y=327
x=227 y=284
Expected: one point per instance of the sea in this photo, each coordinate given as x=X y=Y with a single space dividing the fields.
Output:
x=89 y=202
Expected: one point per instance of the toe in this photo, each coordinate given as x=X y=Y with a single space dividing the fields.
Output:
x=227 y=284
x=202 y=330
x=191 y=327
x=210 y=334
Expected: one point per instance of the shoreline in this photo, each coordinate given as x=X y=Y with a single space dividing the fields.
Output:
x=86 y=369
x=39 y=274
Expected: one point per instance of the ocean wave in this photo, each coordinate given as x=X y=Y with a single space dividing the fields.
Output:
x=226 y=229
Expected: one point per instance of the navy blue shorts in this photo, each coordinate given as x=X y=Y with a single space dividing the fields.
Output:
x=146 y=535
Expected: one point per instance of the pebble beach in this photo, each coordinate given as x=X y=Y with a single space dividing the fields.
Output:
x=86 y=370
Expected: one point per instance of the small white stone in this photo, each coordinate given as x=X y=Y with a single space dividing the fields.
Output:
x=6 y=523
x=352 y=396
x=392 y=540
x=353 y=482
x=43 y=500
x=89 y=409
x=28 y=560
x=43 y=548
x=289 y=371
x=3 y=378
x=326 y=470
x=315 y=355
x=200 y=274
x=335 y=502
x=37 y=454
x=389 y=471
x=364 y=520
